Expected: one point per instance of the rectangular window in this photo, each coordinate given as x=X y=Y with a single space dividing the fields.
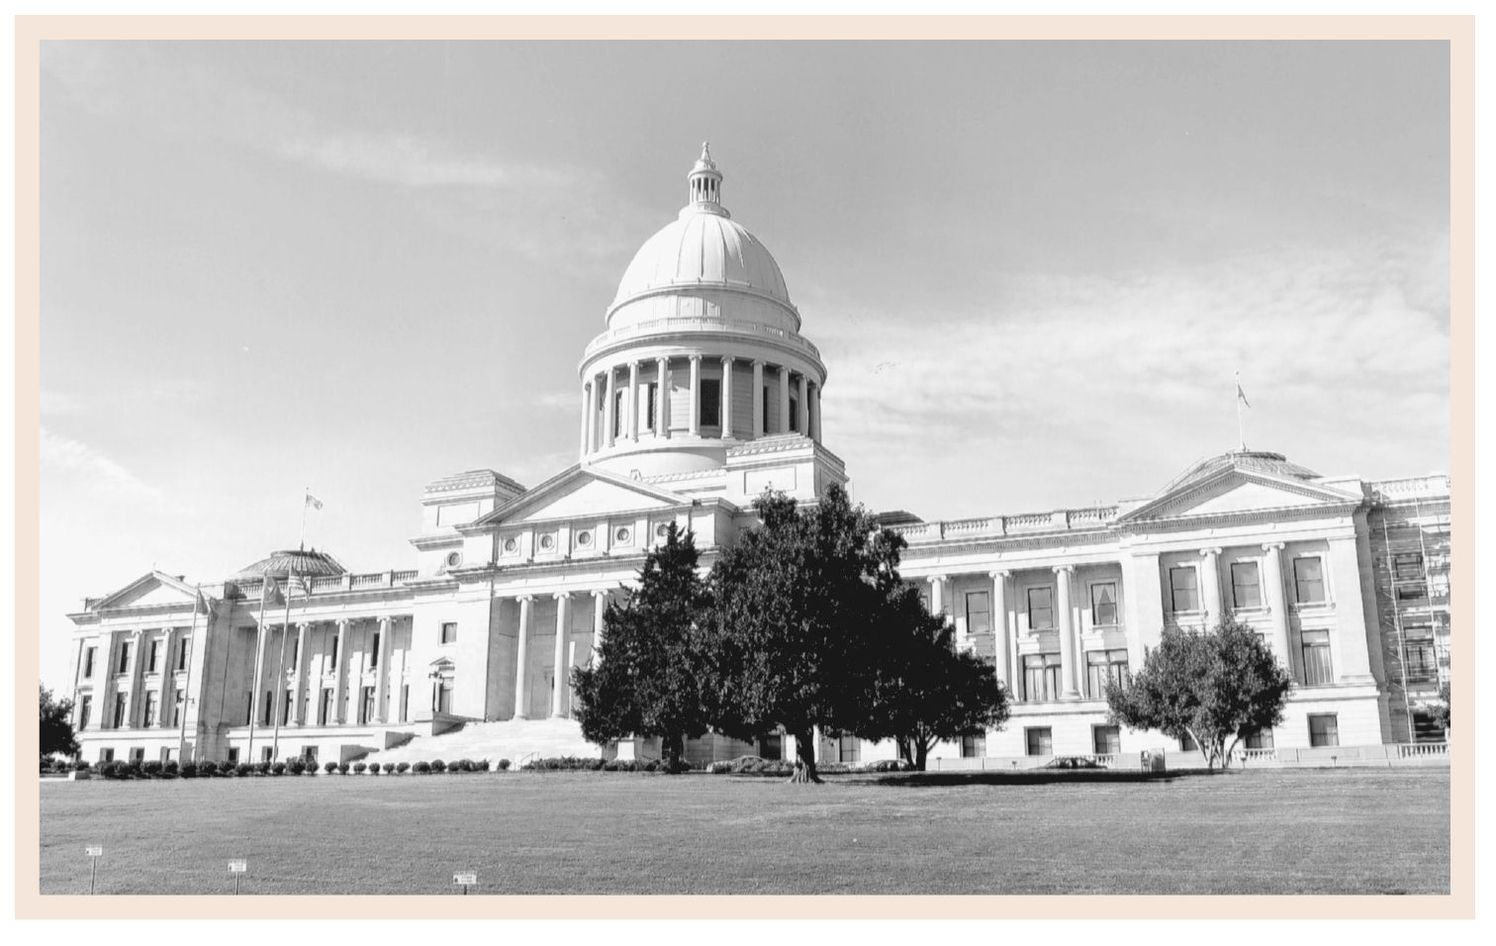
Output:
x=1104 y=604
x=618 y=413
x=1038 y=740
x=652 y=393
x=1184 y=588
x=88 y=662
x=374 y=651
x=444 y=696
x=978 y=613
x=366 y=705
x=1413 y=594
x=178 y=704
x=1260 y=739
x=1041 y=676
x=332 y=654
x=269 y=708
x=771 y=747
x=150 y=708
x=765 y=411
x=404 y=702
x=324 y=707
x=1106 y=740
x=295 y=650
x=1103 y=666
x=182 y=647
x=1041 y=608
x=711 y=402
x=266 y=754
x=1420 y=662
x=286 y=708
x=153 y=664
x=1407 y=566
x=1324 y=730
x=85 y=710
x=973 y=747
x=137 y=754
x=1246 y=587
x=119 y=710
x=124 y=657
x=309 y=753
x=234 y=755
x=794 y=414
x=449 y=632
x=1308 y=581
x=106 y=755
x=849 y=749
x=1316 y=651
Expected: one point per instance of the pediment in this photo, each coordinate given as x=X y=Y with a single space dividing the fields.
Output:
x=149 y=591
x=1234 y=492
x=583 y=493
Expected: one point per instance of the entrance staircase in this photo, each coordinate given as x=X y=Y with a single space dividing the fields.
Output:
x=515 y=740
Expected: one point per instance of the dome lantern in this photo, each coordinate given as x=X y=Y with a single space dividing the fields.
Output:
x=706 y=183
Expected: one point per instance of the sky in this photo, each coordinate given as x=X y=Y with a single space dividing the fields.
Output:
x=1033 y=270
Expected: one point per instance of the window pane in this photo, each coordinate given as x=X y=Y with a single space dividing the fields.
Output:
x=1038 y=741
x=1106 y=740
x=1104 y=604
x=1183 y=589
x=1041 y=608
x=1246 y=590
x=1324 y=730
x=978 y=616
x=711 y=402
x=1309 y=580
x=1316 y=652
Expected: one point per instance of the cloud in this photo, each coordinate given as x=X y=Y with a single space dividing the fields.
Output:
x=63 y=457
x=411 y=162
x=558 y=401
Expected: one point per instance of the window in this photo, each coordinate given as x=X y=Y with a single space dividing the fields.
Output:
x=1038 y=740
x=295 y=649
x=265 y=754
x=309 y=753
x=404 y=702
x=106 y=755
x=978 y=613
x=1260 y=739
x=124 y=657
x=119 y=710
x=137 y=754
x=1104 y=604
x=1413 y=594
x=849 y=749
x=973 y=747
x=85 y=710
x=1104 y=665
x=1106 y=740
x=88 y=661
x=1419 y=660
x=374 y=650
x=234 y=755
x=182 y=646
x=1184 y=588
x=366 y=705
x=443 y=700
x=1324 y=730
x=1316 y=651
x=1407 y=566
x=269 y=709
x=324 y=707
x=652 y=392
x=449 y=632
x=150 y=708
x=1308 y=581
x=332 y=654
x=286 y=707
x=1041 y=676
x=711 y=402
x=765 y=407
x=179 y=702
x=1041 y=608
x=153 y=665
x=771 y=747
x=618 y=413
x=1246 y=588
x=794 y=413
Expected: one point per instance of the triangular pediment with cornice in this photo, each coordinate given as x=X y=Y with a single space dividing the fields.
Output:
x=582 y=493
x=152 y=590
x=1233 y=492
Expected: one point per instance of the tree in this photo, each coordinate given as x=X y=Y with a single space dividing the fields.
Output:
x=647 y=679
x=57 y=726
x=796 y=603
x=1210 y=686
x=925 y=691
x=1440 y=710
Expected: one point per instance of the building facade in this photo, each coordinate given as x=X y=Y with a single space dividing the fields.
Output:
x=699 y=395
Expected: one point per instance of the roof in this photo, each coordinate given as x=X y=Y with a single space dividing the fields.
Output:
x=1254 y=461
x=306 y=563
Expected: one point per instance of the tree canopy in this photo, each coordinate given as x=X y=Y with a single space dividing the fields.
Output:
x=1210 y=686
x=57 y=736
x=647 y=677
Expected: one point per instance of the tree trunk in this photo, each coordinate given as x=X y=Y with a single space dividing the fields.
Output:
x=921 y=754
x=672 y=747
x=901 y=745
x=805 y=759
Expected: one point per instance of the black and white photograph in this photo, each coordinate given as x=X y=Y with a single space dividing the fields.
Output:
x=494 y=468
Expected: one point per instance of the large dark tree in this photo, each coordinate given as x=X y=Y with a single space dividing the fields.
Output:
x=797 y=604
x=1212 y=686
x=925 y=691
x=647 y=679
x=57 y=726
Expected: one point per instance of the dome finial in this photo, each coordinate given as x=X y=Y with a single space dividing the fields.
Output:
x=706 y=182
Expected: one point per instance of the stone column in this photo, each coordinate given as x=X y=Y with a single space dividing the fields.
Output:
x=303 y=701
x=784 y=400
x=1352 y=660
x=168 y=675
x=1068 y=665
x=726 y=396
x=382 y=678
x=803 y=420
x=815 y=414
x=1277 y=604
x=662 y=408
x=937 y=596
x=1210 y=589
x=610 y=409
x=257 y=702
x=695 y=411
x=632 y=401
x=758 y=397
x=1000 y=628
x=520 y=690
x=599 y=609
x=340 y=660
x=586 y=417
x=558 y=661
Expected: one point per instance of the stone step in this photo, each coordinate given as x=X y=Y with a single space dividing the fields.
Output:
x=509 y=739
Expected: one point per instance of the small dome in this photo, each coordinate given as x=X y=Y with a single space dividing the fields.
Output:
x=308 y=564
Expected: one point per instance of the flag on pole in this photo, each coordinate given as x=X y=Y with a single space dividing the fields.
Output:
x=1240 y=396
x=316 y=503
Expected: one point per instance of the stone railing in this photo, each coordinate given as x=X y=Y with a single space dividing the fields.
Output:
x=1022 y=524
x=1432 y=487
x=702 y=324
x=1257 y=755
x=328 y=584
x=1419 y=750
x=1104 y=759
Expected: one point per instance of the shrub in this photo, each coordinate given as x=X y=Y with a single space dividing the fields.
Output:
x=389 y=768
x=171 y=768
x=403 y=767
x=278 y=768
x=423 y=768
x=437 y=765
x=227 y=770
x=373 y=768
x=358 y=768
x=244 y=770
x=151 y=769
x=296 y=767
x=503 y=765
x=330 y=768
x=189 y=770
x=483 y=765
x=208 y=769
x=342 y=768
x=83 y=765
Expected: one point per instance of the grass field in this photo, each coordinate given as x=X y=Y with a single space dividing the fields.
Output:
x=1285 y=831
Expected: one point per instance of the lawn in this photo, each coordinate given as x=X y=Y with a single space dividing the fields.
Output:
x=1284 y=831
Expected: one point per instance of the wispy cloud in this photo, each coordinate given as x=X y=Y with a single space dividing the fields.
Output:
x=557 y=401
x=412 y=162
x=64 y=457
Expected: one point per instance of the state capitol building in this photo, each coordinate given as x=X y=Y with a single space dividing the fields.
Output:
x=700 y=394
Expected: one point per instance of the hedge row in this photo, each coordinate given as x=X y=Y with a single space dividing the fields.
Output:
x=571 y=763
x=754 y=765
x=169 y=770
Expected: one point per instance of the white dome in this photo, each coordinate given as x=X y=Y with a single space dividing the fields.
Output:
x=703 y=249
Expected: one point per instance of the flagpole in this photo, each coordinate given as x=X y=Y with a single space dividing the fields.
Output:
x=280 y=672
x=187 y=684
x=1241 y=430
